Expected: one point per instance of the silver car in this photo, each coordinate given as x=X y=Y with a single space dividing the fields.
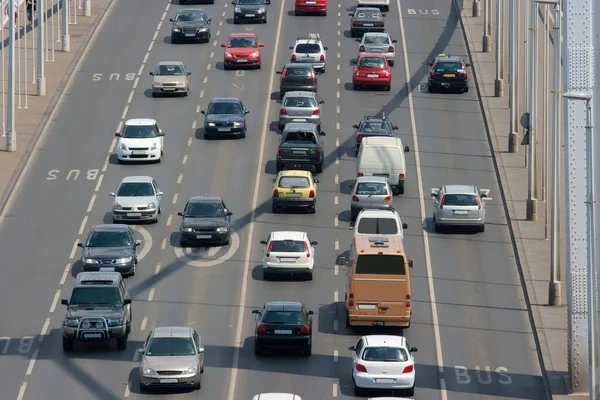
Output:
x=310 y=50
x=300 y=107
x=172 y=356
x=170 y=77
x=459 y=205
x=378 y=43
x=137 y=198
x=370 y=192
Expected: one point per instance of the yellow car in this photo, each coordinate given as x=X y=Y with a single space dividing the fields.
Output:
x=295 y=189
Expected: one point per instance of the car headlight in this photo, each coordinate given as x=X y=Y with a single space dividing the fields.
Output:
x=176 y=30
x=181 y=83
x=187 y=229
x=122 y=146
x=117 y=206
x=255 y=54
x=211 y=124
x=152 y=205
x=156 y=83
x=191 y=370
x=124 y=260
x=237 y=10
x=228 y=54
x=149 y=372
x=203 y=29
x=154 y=146
x=89 y=261
x=222 y=229
x=115 y=321
x=261 y=10
x=71 y=322
x=237 y=124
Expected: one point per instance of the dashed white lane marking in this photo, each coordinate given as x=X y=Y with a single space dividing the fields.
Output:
x=337 y=161
x=334 y=390
x=205 y=79
x=106 y=162
x=91 y=203
x=54 y=301
x=113 y=144
x=335 y=325
x=175 y=198
x=74 y=249
x=337 y=142
x=44 y=330
x=63 y=278
x=218 y=33
x=193 y=128
x=99 y=183
x=127 y=391
x=337 y=108
x=151 y=295
x=336 y=245
x=223 y=16
x=163 y=16
x=189 y=143
x=338 y=67
x=82 y=226
x=32 y=362
x=202 y=93
x=130 y=97
x=339 y=14
x=337 y=94
x=146 y=58
x=339 y=43
x=22 y=391
x=208 y=67
x=336 y=270
x=215 y=43
x=157 y=269
x=339 y=23
x=339 y=82
x=119 y=127
x=337 y=126
x=339 y=33
x=339 y=55
x=185 y=158
x=336 y=221
x=336 y=296
x=179 y=178
x=144 y=323
x=336 y=179
x=141 y=69
x=151 y=46
x=220 y=23
x=212 y=54
x=125 y=110
x=335 y=200
x=197 y=108
x=226 y=5
x=163 y=245
x=335 y=356
x=158 y=27
x=169 y=220
x=135 y=83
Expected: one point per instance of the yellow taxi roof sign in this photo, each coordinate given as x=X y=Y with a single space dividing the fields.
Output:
x=441 y=55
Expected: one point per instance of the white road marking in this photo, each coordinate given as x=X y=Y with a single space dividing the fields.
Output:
x=339 y=43
x=194 y=124
x=151 y=295
x=334 y=391
x=130 y=97
x=336 y=270
x=339 y=15
x=135 y=83
x=185 y=158
x=99 y=183
x=339 y=23
x=339 y=81
x=22 y=391
x=339 y=33
x=63 y=278
x=32 y=362
x=337 y=142
x=336 y=243
x=202 y=93
x=338 y=67
x=127 y=391
x=180 y=177
x=142 y=66
x=159 y=26
x=175 y=198
x=125 y=110
x=74 y=249
x=54 y=301
x=150 y=47
x=339 y=55
x=119 y=127
x=205 y=79
x=44 y=330
x=113 y=144
x=337 y=108
x=213 y=250
x=220 y=23
x=169 y=220
x=335 y=356
x=82 y=226
x=337 y=94
x=336 y=178
x=336 y=296
x=190 y=140
x=146 y=58
x=144 y=323
x=335 y=325
x=208 y=67
x=226 y=4
x=411 y=108
x=223 y=16
x=336 y=221
x=258 y=174
x=337 y=160
x=335 y=199
x=105 y=166
x=163 y=16
x=215 y=43
x=163 y=245
x=212 y=54
x=337 y=126
x=197 y=108
x=91 y=203
x=157 y=269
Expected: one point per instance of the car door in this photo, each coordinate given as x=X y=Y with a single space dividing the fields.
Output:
x=133 y=239
x=356 y=353
x=198 y=344
x=265 y=247
x=156 y=191
x=436 y=201
x=161 y=138
x=226 y=210
x=125 y=295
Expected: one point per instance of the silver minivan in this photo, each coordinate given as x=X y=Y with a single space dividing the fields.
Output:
x=370 y=192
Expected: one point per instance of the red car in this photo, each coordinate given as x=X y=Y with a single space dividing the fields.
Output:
x=242 y=50
x=311 y=7
x=372 y=70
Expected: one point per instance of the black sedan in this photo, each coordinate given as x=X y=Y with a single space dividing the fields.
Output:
x=225 y=117
x=366 y=19
x=297 y=78
x=372 y=126
x=250 y=10
x=190 y=24
x=205 y=220
x=110 y=246
x=283 y=325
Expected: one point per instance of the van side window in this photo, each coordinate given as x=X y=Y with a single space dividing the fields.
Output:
x=380 y=264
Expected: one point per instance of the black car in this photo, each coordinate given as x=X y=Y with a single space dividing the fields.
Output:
x=301 y=146
x=182 y=2
x=372 y=126
x=225 y=116
x=448 y=72
x=366 y=19
x=283 y=325
x=297 y=77
x=250 y=10
x=110 y=246
x=190 y=24
x=205 y=220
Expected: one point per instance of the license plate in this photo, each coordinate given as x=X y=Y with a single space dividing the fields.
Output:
x=460 y=212
x=445 y=84
x=376 y=50
x=138 y=152
x=242 y=61
x=134 y=214
x=380 y=380
x=293 y=195
x=203 y=236
x=307 y=58
x=169 y=381
x=449 y=75
x=250 y=15
x=367 y=307
x=93 y=335
x=169 y=89
x=379 y=323
x=368 y=24
x=288 y=260
x=190 y=34
x=299 y=120
x=311 y=2
x=372 y=76
x=298 y=152
x=283 y=332
x=224 y=129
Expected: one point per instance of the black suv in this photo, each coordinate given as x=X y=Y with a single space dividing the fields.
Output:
x=205 y=220
x=224 y=117
x=190 y=24
x=297 y=77
x=372 y=126
x=110 y=245
x=300 y=146
x=448 y=72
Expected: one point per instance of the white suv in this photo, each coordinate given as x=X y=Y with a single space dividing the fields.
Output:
x=379 y=222
x=288 y=253
x=310 y=50
x=140 y=140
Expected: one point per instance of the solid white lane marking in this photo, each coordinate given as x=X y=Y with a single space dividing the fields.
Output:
x=144 y=322
x=54 y=301
x=336 y=178
x=82 y=226
x=163 y=245
x=99 y=183
x=179 y=178
x=125 y=110
x=91 y=203
x=213 y=250
x=32 y=362
x=185 y=158
x=157 y=269
x=151 y=295
x=335 y=325
x=44 y=330
x=202 y=93
x=336 y=221
x=205 y=79
x=74 y=249
x=22 y=391
x=334 y=391
x=190 y=140
x=336 y=296
x=130 y=97
x=175 y=198
x=336 y=244
x=113 y=144
x=335 y=199
x=169 y=220
x=65 y=273
x=259 y=165
x=335 y=356
x=430 y=283
x=336 y=270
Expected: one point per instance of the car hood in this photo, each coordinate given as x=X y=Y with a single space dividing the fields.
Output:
x=204 y=222
x=169 y=79
x=95 y=311
x=250 y=7
x=132 y=201
x=241 y=51
x=107 y=252
x=224 y=118
x=172 y=363
x=190 y=24
x=142 y=142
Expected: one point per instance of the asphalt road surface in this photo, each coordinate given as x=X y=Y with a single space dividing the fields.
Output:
x=470 y=321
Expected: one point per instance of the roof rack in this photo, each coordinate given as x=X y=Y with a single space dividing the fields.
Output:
x=311 y=37
x=379 y=241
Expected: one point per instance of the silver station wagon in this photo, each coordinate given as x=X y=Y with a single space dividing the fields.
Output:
x=459 y=205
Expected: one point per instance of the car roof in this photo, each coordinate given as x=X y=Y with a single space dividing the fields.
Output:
x=225 y=100
x=300 y=126
x=383 y=340
x=171 y=331
x=300 y=93
x=140 y=122
x=362 y=179
x=375 y=33
x=276 y=396
x=377 y=213
x=170 y=63
x=191 y=10
x=446 y=57
x=285 y=235
x=364 y=244
x=113 y=277
x=205 y=199
x=137 y=178
x=242 y=35
x=382 y=140
x=283 y=306
x=110 y=228
x=302 y=66
x=294 y=172
x=460 y=189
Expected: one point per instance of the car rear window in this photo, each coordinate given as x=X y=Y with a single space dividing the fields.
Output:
x=298 y=182
x=372 y=62
x=460 y=200
x=309 y=48
x=283 y=317
x=287 y=246
x=448 y=66
x=379 y=226
x=300 y=137
x=380 y=264
x=373 y=126
x=367 y=14
x=293 y=72
x=377 y=40
x=385 y=354
x=299 y=102
x=371 y=189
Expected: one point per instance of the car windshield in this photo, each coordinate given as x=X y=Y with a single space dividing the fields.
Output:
x=448 y=66
x=204 y=210
x=305 y=102
x=226 y=107
x=242 y=42
x=380 y=264
x=460 y=200
x=189 y=16
x=250 y=2
x=300 y=137
x=283 y=317
x=382 y=40
x=373 y=126
x=297 y=182
x=371 y=188
x=108 y=239
x=378 y=226
x=169 y=70
x=135 y=189
x=95 y=295
x=293 y=72
x=140 y=132
x=367 y=15
x=372 y=62
x=309 y=48
x=171 y=346
x=385 y=354
x=287 y=246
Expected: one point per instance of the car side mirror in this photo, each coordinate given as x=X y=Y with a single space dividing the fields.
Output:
x=406 y=149
x=413 y=349
x=255 y=312
x=151 y=73
x=278 y=72
x=311 y=313
x=126 y=301
x=140 y=350
x=394 y=41
x=80 y=244
x=404 y=225
x=343 y=261
x=263 y=242
x=203 y=112
x=322 y=102
x=351 y=225
x=170 y=19
x=161 y=133
x=411 y=263
x=358 y=40
x=246 y=112
x=229 y=213
x=352 y=348
x=322 y=133
x=468 y=65
x=355 y=126
x=314 y=243
x=118 y=134
x=316 y=181
x=188 y=73
x=111 y=194
x=261 y=45
x=223 y=45
x=64 y=302
x=159 y=193
x=200 y=349
x=325 y=48
x=395 y=127
x=138 y=243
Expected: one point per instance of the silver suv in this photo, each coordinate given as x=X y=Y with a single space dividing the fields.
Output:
x=459 y=205
x=300 y=107
x=99 y=309
x=310 y=50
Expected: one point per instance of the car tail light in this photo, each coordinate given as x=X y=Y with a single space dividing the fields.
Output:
x=293 y=58
x=378 y=23
x=351 y=300
x=408 y=369
x=362 y=48
x=402 y=176
x=283 y=111
x=355 y=198
x=318 y=152
x=311 y=194
x=356 y=24
x=262 y=329
x=317 y=112
x=431 y=74
x=391 y=49
x=359 y=138
x=305 y=330
x=279 y=151
x=322 y=57
x=407 y=301
x=275 y=194
x=307 y=250
x=360 y=174
x=360 y=368
x=270 y=247
x=284 y=73
x=387 y=199
x=442 y=202
x=478 y=202
x=314 y=76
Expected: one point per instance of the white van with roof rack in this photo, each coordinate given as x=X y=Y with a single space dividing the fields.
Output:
x=378 y=222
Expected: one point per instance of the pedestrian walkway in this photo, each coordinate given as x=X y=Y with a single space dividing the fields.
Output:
x=33 y=113
x=533 y=250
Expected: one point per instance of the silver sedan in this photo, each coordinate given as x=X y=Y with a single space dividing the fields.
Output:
x=370 y=192
x=300 y=107
x=378 y=43
x=462 y=205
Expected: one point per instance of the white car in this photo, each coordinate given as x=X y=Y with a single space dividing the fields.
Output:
x=379 y=222
x=383 y=362
x=288 y=253
x=383 y=5
x=310 y=50
x=137 y=198
x=276 y=396
x=140 y=140
x=378 y=43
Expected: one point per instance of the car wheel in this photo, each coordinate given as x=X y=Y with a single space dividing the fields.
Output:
x=353 y=215
x=279 y=167
x=183 y=242
x=143 y=388
x=400 y=188
x=274 y=209
x=122 y=342
x=281 y=94
x=411 y=391
x=206 y=136
x=309 y=276
x=357 y=391
x=313 y=210
x=481 y=228
x=430 y=88
x=391 y=63
x=319 y=167
x=348 y=320
x=258 y=351
x=67 y=344
x=281 y=127
x=307 y=351
x=155 y=220
x=322 y=70
x=266 y=276
x=198 y=385
x=352 y=33
x=115 y=221
x=437 y=227
x=154 y=94
x=355 y=87
x=236 y=21
x=202 y=369
x=159 y=210
x=466 y=90
x=388 y=88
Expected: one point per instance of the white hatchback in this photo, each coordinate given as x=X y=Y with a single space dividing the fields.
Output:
x=140 y=140
x=383 y=362
x=288 y=253
x=276 y=396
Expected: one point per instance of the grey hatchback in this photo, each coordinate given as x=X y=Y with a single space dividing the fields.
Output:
x=370 y=192
x=295 y=77
x=300 y=107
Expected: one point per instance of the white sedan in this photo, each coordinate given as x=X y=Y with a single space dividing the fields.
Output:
x=140 y=140
x=383 y=362
x=383 y=5
x=289 y=253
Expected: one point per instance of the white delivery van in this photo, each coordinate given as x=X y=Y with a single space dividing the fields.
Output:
x=383 y=156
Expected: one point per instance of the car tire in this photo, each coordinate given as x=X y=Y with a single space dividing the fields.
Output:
x=154 y=94
x=391 y=63
x=355 y=87
x=400 y=189
x=309 y=276
x=437 y=227
x=357 y=391
x=466 y=90
x=281 y=94
x=274 y=209
x=154 y=221
x=227 y=241
x=115 y=221
x=183 y=242
x=388 y=88
x=144 y=388
x=348 y=320
x=411 y=391
x=430 y=89
x=353 y=215
x=281 y=127
x=307 y=352
x=312 y=210
x=319 y=167
x=236 y=21
x=67 y=344
x=267 y=276
x=198 y=385
x=481 y=228
x=279 y=167
x=122 y=342
x=202 y=369
x=352 y=33
x=258 y=351
x=206 y=136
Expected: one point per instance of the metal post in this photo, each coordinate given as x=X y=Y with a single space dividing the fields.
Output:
x=87 y=8
x=11 y=135
x=531 y=204
x=499 y=82
x=486 y=25
x=545 y=133
x=74 y=19
x=41 y=75
x=66 y=38
x=513 y=146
